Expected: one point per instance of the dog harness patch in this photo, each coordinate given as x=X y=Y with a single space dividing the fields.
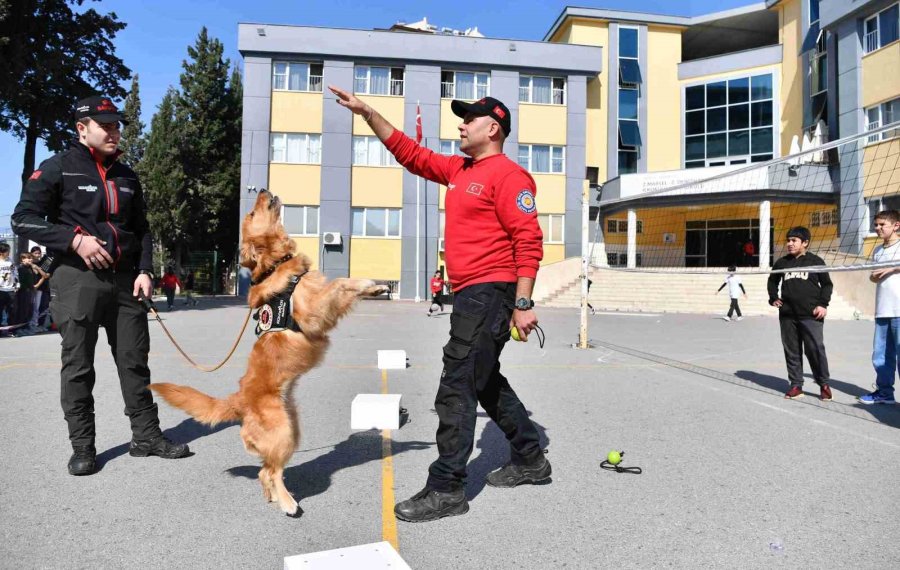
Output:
x=276 y=314
x=525 y=201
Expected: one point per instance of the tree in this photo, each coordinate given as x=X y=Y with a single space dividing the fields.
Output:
x=54 y=57
x=133 y=143
x=209 y=111
x=4 y=13
x=164 y=181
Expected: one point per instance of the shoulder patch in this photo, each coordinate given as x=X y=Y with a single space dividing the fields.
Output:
x=525 y=201
x=265 y=317
x=35 y=175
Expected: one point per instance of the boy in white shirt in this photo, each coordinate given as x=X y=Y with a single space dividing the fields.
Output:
x=8 y=280
x=735 y=287
x=887 y=309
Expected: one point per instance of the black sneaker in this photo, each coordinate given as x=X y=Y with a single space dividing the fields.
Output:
x=160 y=447
x=83 y=460
x=511 y=475
x=430 y=505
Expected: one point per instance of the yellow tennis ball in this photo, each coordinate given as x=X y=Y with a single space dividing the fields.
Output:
x=514 y=333
x=614 y=457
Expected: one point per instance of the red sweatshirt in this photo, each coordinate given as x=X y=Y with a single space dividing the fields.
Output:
x=491 y=231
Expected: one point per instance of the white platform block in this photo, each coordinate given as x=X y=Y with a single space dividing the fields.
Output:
x=379 y=411
x=375 y=556
x=392 y=360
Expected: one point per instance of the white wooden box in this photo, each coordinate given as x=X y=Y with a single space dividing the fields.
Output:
x=375 y=556
x=379 y=411
x=392 y=360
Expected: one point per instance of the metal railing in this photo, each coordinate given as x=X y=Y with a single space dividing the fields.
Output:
x=397 y=87
x=871 y=127
x=871 y=41
x=448 y=90
x=315 y=83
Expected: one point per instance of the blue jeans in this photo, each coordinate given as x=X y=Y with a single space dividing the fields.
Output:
x=886 y=347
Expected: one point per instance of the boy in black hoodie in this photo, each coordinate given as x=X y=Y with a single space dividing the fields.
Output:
x=802 y=307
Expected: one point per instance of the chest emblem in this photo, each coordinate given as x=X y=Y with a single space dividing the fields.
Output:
x=525 y=201
x=265 y=317
x=475 y=188
x=88 y=188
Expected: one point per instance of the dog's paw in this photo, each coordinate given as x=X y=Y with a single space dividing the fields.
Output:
x=296 y=513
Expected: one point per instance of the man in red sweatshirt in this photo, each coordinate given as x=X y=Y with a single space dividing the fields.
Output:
x=493 y=247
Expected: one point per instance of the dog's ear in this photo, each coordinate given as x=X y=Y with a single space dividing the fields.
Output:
x=248 y=254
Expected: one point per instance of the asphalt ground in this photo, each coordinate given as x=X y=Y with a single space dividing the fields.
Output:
x=734 y=476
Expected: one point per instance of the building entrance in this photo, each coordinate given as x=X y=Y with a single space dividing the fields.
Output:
x=721 y=243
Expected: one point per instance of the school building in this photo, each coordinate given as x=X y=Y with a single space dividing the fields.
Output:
x=625 y=100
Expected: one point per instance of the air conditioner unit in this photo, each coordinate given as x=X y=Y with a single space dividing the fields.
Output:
x=331 y=238
x=441 y=244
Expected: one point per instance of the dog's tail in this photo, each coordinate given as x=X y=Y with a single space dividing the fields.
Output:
x=205 y=409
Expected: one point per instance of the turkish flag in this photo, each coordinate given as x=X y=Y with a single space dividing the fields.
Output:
x=418 y=125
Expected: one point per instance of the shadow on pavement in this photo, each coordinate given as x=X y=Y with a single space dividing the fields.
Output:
x=185 y=432
x=314 y=477
x=494 y=454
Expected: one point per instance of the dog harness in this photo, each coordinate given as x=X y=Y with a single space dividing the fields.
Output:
x=276 y=314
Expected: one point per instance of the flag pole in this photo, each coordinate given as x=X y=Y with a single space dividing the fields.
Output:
x=418 y=208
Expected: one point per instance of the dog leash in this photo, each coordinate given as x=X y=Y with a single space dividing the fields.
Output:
x=151 y=308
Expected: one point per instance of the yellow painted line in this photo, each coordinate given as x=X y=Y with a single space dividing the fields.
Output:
x=388 y=518
x=30 y=365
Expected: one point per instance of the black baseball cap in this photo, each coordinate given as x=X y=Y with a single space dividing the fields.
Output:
x=99 y=108
x=489 y=106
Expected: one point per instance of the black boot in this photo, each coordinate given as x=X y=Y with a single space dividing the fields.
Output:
x=429 y=505
x=83 y=460
x=511 y=475
x=159 y=446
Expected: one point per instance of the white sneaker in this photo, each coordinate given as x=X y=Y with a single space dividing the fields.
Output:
x=739 y=319
x=726 y=318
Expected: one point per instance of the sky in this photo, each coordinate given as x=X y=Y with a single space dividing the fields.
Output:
x=155 y=41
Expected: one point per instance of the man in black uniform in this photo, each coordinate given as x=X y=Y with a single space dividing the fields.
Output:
x=88 y=210
x=802 y=306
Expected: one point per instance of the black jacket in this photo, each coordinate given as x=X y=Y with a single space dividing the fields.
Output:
x=71 y=193
x=801 y=291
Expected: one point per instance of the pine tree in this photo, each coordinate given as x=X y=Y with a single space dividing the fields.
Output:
x=164 y=181
x=133 y=143
x=211 y=150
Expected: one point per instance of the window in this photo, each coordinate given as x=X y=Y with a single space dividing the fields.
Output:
x=552 y=227
x=296 y=76
x=545 y=90
x=621 y=259
x=818 y=66
x=882 y=28
x=629 y=94
x=369 y=151
x=880 y=116
x=378 y=80
x=465 y=85
x=881 y=204
x=729 y=122
x=296 y=148
x=376 y=222
x=621 y=226
x=300 y=220
x=813 y=12
x=450 y=146
x=542 y=159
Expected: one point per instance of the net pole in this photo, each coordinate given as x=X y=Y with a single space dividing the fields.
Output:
x=585 y=251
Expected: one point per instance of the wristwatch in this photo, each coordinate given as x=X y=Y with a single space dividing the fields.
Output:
x=147 y=272
x=524 y=304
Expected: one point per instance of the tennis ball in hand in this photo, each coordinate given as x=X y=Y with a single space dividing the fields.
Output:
x=514 y=333
x=614 y=457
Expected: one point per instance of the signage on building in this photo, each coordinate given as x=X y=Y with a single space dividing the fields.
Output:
x=678 y=182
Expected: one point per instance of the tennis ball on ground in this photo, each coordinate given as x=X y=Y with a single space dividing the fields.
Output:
x=614 y=457
x=514 y=333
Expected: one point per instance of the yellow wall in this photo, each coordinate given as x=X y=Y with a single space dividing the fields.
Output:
x=553 y=253
x=881 y=75
x=377 y=186
x=296 y=183
x=309 y=246
x=542 y=124
x=788 y=216
x=296 y=112
x=390 y=107
x=375 y=258
x=869 y=246
x=792 y=73
x=881 y=168
x=663 y=145
x=551 y=193
x=449 y=121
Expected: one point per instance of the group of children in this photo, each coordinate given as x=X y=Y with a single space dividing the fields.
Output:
x=24 y=293
x=802 y=291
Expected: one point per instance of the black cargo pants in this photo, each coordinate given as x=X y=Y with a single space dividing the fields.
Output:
x=800 y=336
x=83 y=300
x=479 y=327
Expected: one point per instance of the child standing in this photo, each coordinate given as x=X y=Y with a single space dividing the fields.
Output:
x=802 y=306
x=25 y=294
x=8 y=279
x=735 y=287
x=887 y=309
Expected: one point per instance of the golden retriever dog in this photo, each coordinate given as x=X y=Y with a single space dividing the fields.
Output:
x=264 y=403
